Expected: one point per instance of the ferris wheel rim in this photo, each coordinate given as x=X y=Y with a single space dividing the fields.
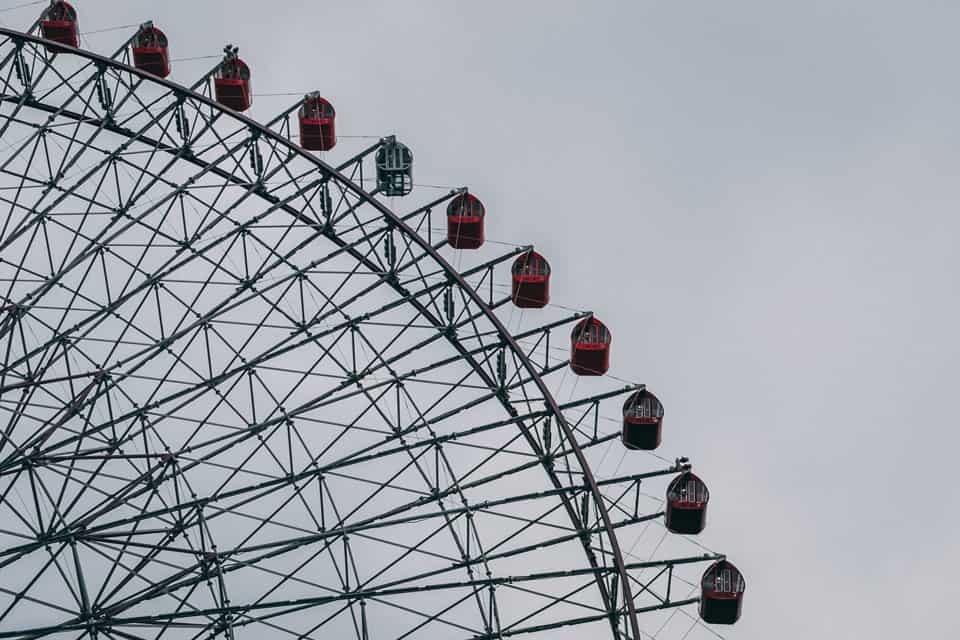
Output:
x=450 y=272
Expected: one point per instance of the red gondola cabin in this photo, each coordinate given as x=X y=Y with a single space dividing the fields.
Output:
x=642 y=421
x=687 y=498
x=59 y=23
x=231 y=82
x=394 y=162
x=465 y=215
x=531 y=281
x=721 y=593
x=590 y=348
x=151 y=51
x=317 y=131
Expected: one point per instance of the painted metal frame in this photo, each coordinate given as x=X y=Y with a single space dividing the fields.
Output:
x=326 y=204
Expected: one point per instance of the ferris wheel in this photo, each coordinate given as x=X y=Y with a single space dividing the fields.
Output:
x=244 y=394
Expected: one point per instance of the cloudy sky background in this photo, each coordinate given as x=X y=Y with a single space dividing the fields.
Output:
x=758 y=197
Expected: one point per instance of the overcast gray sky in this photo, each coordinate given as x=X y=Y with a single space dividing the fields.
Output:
x=758 y=197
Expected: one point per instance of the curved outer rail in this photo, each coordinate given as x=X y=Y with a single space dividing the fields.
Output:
x=454 y=276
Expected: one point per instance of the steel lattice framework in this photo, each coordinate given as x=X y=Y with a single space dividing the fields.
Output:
x=238 y=392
